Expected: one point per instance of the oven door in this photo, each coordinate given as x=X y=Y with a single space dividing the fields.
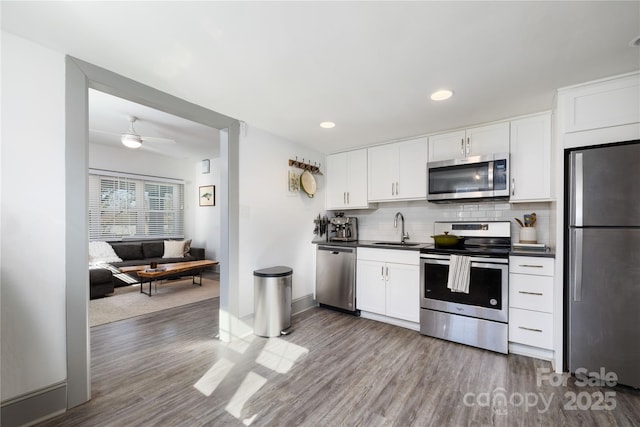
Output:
x=488 y=296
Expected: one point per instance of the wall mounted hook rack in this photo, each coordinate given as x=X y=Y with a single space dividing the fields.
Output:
x=313 y=168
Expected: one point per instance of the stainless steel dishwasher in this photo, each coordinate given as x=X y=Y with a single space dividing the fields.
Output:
x=336 y=277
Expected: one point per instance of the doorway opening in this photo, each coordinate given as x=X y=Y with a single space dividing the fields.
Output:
x=139 y=197
x=80 y=77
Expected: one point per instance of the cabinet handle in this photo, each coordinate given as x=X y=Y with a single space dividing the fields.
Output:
x=530 y=329
x=531 y=265
x=393 y=193
x=397 y=192
x=462 y=146
x=513 y=186
x=530 y=293
x=382 y=272
x=344 y=198
x=387 y=273
x=348 y=198
x=468 y=146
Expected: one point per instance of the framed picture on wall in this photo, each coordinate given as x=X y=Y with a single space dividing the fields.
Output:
x=207 y=195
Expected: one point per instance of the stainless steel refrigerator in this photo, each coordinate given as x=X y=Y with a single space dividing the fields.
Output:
x=603 y=298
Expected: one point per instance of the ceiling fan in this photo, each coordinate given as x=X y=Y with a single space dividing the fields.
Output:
x=131 y=139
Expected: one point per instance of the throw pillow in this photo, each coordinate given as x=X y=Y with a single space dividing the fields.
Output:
x=187 y=247
x=102 y=252
x=173 y=249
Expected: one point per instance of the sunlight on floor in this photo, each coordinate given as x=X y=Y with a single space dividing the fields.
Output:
x=213 y=377
x=241 y=345
x=276 y=354
x=280 y=355
x=251 y=384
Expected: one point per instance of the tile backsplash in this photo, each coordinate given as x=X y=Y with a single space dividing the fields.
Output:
x=377 y=224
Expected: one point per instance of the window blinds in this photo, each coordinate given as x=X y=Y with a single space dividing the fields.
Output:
x=134 y=206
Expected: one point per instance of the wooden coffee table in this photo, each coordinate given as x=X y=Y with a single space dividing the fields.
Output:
x=192 y=268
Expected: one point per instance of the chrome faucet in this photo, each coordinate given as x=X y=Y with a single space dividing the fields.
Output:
x=405 y=236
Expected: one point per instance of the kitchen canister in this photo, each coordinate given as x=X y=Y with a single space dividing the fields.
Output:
x=528 y=235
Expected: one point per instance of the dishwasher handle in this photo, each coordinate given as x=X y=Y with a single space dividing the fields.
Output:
x=336 y=250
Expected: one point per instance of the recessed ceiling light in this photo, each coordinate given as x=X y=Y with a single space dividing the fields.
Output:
x=441 y=95
x=635 y=42
x=327 y=125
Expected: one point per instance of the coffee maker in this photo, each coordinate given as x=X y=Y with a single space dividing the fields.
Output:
x=343 y=228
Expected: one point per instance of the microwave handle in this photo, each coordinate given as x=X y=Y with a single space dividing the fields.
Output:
x=490 y=173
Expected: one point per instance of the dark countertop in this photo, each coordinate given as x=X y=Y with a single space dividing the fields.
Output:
x=411 y=246
x=549 y=253
x=416 y=246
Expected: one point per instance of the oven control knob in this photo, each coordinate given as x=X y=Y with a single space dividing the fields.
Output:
x=493 y=301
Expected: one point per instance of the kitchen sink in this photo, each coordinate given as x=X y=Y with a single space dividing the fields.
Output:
x=396 y=244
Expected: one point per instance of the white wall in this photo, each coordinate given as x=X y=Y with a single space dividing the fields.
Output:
x=276 y=227
x=206 y=233
x=33 y=217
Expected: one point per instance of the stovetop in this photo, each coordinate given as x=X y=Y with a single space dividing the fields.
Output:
x=481 y=238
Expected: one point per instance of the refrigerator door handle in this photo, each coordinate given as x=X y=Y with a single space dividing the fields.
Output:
x=576 y=262
x=577 y=190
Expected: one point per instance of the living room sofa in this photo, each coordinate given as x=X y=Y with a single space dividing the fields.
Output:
x=129 y=253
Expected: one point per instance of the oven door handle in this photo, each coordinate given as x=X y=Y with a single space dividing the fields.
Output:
x=475 y=261
x=439 y=261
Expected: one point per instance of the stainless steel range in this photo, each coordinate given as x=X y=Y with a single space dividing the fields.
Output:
x=475 y=314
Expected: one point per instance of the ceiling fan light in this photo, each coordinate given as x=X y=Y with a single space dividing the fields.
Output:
x=131 y=140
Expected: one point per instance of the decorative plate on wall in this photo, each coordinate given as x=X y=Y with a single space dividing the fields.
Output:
x=308 y=183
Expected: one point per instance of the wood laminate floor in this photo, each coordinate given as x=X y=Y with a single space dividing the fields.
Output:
x=167 y=369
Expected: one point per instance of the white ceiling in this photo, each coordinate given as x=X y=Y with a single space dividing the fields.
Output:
x=168 y=135
x=368 y=66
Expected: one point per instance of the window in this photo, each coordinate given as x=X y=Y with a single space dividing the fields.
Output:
x=134 y=206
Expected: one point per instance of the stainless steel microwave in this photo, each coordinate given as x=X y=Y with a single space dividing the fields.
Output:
x=479 y=177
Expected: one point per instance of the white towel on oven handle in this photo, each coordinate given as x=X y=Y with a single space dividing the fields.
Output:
x=459 y=271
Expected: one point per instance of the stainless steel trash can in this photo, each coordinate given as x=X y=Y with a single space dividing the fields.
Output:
x=272 y=301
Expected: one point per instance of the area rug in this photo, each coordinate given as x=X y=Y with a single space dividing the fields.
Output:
x=127 y=301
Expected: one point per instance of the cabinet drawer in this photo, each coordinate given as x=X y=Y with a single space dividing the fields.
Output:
x=531 y=292
x=389 y=255
x=531 y=265
x=531 y=328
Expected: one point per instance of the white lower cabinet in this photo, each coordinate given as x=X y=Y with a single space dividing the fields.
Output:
x=533 y=328
x=387 y=284
x=531 y=305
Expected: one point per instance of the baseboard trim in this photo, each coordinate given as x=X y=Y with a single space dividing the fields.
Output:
x=34 y=407
x=535 y=352
x=390 y=320
x=302 y=304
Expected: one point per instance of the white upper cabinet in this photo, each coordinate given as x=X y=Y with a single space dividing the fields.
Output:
x=477 y=141
x=611 y=102
x=447 y=146
x=398 y=171
x=531 y=159
x=347 y=180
